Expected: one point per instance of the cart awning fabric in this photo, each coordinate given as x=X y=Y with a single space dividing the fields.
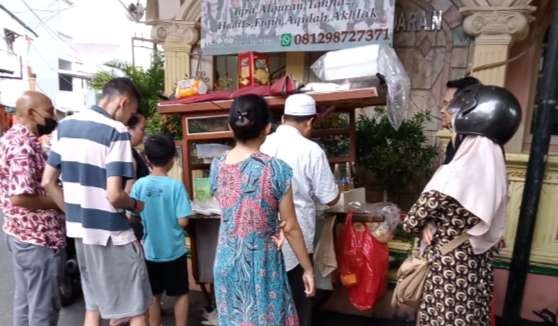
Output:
x=281 y=87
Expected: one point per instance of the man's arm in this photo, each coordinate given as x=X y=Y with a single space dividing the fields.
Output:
x=129 y=185
x=22 y=188
x=33 y=202
x=323 y=180
x=130 y=182
x=52 y=187
x=120 y=167
x=118 y=198
x=133 y=218
x=334 y=201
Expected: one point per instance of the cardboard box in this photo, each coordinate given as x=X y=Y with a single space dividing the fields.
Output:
x=253 y=69
x=353 y=195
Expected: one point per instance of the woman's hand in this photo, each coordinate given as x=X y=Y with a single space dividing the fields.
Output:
x=427 y=234
x=308 y=279
x=279 y=238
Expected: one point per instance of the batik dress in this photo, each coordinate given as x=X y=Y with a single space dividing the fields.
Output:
x=251 y=285
x=458 y=286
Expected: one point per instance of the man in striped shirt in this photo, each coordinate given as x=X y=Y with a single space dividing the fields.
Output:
x=93 y=156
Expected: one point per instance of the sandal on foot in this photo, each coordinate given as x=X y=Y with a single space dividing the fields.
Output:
x=546 y=315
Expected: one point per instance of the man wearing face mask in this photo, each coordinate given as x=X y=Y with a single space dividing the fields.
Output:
x=33 y=225
x=93 y=154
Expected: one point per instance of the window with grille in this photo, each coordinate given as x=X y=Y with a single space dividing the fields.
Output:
x=65 y=82
x=226 y=66
x=64 y=64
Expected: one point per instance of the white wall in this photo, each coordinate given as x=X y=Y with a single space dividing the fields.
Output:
x=168 y=9
x=101 y=22
x=11 y=89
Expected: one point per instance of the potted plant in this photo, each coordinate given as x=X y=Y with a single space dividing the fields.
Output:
x=395 y=163
x=150 y=84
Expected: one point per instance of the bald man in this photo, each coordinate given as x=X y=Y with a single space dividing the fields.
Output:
x=33 y=226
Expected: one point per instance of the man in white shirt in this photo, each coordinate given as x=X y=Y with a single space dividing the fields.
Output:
x=312 y=181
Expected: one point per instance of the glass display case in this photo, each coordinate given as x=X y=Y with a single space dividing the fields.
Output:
x=206 y=132
x=204 y=125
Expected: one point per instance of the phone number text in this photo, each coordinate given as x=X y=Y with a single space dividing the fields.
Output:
x=342 y=37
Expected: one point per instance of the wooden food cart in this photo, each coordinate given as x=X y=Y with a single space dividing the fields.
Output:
x=207 y=122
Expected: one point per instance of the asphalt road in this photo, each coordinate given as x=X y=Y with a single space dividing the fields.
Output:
x=71 y=315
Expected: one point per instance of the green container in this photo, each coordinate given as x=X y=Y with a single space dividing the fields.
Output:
x=202 y=189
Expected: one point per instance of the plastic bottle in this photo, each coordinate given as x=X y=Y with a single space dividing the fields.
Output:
x=350 y=182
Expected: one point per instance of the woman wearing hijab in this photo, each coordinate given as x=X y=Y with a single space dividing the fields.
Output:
x=466 y=198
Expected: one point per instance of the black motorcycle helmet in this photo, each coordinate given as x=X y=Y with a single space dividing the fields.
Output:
x=488 y=111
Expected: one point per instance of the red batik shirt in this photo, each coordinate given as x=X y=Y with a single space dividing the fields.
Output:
x=22 y=162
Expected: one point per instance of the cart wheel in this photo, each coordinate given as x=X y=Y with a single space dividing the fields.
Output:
x=69 y=287
x=66 y=291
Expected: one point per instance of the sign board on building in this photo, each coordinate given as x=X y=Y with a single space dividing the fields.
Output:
x=233 y=26
x=417 y=21
x=10 y=65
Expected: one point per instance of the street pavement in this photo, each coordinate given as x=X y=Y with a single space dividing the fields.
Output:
x=6 y=281
x=72 y=315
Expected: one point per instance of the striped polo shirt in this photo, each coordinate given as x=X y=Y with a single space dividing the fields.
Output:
x=88 y=148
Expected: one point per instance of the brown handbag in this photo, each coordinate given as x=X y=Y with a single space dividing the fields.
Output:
x=412 y=274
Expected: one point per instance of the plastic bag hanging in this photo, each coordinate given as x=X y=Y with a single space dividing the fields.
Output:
x=364 y=265
x=350 y=259
x=352 y=66
x=398 y=83
x=348 y=64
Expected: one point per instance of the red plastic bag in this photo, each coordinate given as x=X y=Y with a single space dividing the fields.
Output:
x=365 y=263
x=349 y=261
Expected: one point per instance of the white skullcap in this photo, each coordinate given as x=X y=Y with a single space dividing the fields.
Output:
x=300 y=105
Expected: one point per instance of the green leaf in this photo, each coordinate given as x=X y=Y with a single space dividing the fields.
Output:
x=398 y=158
x=150 y=84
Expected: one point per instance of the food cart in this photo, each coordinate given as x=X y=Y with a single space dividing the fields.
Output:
x=206 y=122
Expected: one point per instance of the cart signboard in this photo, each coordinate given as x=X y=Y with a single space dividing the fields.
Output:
x=235 y=26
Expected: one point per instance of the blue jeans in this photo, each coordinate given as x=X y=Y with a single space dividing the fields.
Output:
x=36 y=276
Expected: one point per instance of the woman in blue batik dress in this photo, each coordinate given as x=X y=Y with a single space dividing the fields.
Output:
x=251 y=285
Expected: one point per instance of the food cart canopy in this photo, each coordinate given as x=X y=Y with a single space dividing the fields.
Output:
x=222 y=101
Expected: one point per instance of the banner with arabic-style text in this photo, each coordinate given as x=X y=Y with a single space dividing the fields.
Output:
x=233 y=26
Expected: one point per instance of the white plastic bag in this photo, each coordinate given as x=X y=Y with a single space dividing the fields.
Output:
x=365 y=62
x=382 y=231
x=398 y=83
x=348 y=63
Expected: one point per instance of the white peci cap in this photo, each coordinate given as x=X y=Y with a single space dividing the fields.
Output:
x=300 y=105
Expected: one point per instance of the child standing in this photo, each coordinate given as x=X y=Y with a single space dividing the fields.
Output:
x=167 y=206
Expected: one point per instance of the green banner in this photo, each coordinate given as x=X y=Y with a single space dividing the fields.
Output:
x=233 y=26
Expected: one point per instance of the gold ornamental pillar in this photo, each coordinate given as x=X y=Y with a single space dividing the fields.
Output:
x=495 y=25
x=178 y=38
